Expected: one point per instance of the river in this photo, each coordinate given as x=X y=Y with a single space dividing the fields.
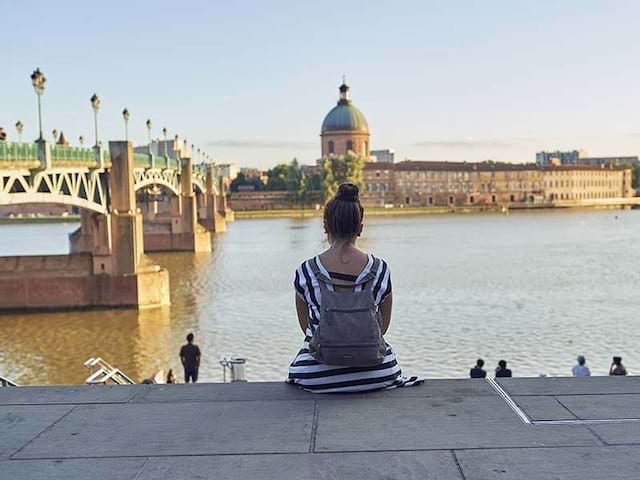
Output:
x=534 y=288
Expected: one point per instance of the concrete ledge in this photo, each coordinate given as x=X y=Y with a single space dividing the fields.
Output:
x=444 y=429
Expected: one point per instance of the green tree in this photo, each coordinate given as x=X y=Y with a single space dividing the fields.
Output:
x=277 y=177
x=294 y=176
x=243 y=180
x=341 y=169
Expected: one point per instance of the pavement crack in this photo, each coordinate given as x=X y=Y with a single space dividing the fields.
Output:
x=11 y=457
x=314 y=428
x=139 y=472
x=455 y=459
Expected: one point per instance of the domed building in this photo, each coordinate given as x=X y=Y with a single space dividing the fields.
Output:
x=345 y=129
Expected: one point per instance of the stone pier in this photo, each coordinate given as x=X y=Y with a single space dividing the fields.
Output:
x=107 y=267
x=180 y=230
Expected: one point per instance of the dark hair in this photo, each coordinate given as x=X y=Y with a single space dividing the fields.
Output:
x=480 y=363
x=502 y=364
x=617 y=360
x=581 y=359
x=343 y=213
x=190 y=337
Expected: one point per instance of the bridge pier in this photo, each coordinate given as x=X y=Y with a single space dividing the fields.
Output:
x=209 y=215
x=107 y=267
x=184 y=233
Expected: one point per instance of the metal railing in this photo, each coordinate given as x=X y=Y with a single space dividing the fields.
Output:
x=65 y=153
x=18 y=152
x=102 y=373
x=5 y=382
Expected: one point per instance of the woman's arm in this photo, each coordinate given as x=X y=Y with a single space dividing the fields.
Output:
x=385 y=313
x=303 y=313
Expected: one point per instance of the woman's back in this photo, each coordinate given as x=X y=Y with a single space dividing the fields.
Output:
x=343 y=266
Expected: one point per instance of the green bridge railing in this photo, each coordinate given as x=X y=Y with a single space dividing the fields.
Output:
x=62 y=154
x=18 y=152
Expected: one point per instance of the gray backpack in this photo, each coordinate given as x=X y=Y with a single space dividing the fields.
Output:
x=348 y=333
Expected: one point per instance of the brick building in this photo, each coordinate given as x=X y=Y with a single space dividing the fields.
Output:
x=485 y=183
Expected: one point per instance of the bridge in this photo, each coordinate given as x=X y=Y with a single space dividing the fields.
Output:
x=107 y=266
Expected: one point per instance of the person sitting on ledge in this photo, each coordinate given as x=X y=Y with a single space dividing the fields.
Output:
x=617 y=368
x=345 y=286
x=478 y=371
x=581 y=369
x=502 y=370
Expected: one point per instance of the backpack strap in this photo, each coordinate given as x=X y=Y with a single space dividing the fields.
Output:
x=372 y=274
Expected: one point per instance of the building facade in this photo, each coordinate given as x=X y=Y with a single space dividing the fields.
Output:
x=345 y=128
x=487 y=183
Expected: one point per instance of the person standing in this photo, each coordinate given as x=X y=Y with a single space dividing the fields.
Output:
x=190 y=358
x=502 y=370
x=478 y=371
x=617 y=368
x=581 y=369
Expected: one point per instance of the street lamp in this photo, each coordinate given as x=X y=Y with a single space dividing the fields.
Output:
x=164 y=134
x=19 y=128
x=54 y=132
x=38 y=81
x=176 y=146
x=81 y=140
x=198 y=159
x=95 y=104
x=125 y=115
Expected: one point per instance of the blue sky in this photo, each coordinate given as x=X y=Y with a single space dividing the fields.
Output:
x=250 y=81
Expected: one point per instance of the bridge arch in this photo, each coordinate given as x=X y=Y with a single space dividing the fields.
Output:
x=83 y=188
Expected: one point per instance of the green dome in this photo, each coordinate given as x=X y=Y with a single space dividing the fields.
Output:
x=345 y=116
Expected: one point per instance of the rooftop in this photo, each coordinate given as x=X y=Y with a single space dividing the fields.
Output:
x=569 y=428
x=425 y=165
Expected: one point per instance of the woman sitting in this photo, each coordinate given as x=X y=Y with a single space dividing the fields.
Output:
x=358 y=275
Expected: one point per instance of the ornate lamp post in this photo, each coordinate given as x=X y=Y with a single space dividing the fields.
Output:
x=164 y=134
x=125 y=115
x=81 y=140
x=149 y=125
x=39 y=81
x=176 y=147
x=54 y=132
x=19 y=128
x=95 y=104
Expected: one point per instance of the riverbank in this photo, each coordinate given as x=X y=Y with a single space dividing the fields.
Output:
x=41 y=219
x=416 y=210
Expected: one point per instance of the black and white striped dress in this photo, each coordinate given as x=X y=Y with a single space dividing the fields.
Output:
x=319 y=378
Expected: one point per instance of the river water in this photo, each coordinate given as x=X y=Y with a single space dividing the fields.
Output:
x=534 y=288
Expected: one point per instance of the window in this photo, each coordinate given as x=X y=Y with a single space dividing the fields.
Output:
x=471 y=199
x=332 y=147
x=493 y=199
x=350 y=146
x=365 y=150
x=451 y=200
x=512 y=198
x=430 y=200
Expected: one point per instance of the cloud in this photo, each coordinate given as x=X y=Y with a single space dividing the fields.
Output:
x=253 y=143
x=471 y=143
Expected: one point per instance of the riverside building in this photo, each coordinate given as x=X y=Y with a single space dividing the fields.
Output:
x=425 y=183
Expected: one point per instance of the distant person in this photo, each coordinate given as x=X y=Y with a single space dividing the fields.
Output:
x=502 y=371
x=190 y=358
x=581 y=369
x=617 y=368
x=478 y=371
x=171 y=377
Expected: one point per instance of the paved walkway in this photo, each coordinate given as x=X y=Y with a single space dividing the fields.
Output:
x=559 y=428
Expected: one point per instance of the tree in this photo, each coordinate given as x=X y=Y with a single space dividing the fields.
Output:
x=341 y=169
x=243 y=180
x=277 y=177
x=294 y=176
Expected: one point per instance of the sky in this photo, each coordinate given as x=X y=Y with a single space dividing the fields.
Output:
x=251 y=81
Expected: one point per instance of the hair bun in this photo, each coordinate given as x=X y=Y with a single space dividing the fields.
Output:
x=348 y=192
